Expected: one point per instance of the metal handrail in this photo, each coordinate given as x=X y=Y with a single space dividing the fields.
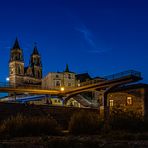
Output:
x=123 y=74
x=114 y=76
x=94 y=81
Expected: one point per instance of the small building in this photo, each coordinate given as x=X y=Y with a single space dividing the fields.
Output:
x=130 y=97
x=56 y=80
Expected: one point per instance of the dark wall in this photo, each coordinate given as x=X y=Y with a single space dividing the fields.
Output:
x=61 y=114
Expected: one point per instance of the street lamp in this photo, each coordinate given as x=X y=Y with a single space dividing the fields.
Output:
x=7 y=79
x=62 y=89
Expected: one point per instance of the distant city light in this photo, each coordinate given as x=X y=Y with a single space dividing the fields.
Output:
x=7 y=79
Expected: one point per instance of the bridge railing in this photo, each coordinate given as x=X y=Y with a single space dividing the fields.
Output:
x=90 y=82
x=94 y=81
x=21 y=85
x=123 y=74
x=113 y=77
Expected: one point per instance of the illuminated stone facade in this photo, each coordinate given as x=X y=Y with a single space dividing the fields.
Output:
x=21 y=75
x=56 y=80
x=133 y=97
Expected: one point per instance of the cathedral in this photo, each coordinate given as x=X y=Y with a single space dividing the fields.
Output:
x=19 y=74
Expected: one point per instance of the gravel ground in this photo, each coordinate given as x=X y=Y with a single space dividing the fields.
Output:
x=71 y=142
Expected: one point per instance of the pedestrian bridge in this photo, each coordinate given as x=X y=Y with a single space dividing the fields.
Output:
x=108 y=81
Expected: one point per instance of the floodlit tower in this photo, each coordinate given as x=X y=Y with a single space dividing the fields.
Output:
x=35 y=63
x=16 y=64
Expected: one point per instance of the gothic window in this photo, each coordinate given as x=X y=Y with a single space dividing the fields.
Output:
x=19 y=69
x=38 y=74
x=17 y=56
x=35 y=61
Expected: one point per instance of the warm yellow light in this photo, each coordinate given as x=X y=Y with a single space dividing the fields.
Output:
x=62 y=88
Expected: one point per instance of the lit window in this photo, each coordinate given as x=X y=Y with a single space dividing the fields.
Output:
x=111 y=103
x=129 y=101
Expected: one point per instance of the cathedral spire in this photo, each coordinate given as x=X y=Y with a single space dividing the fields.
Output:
x=35 y=50
x=16 y=44
x=16 y=52
x=35 y=58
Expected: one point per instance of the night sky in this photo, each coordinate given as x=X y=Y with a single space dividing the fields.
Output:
x=100 y=37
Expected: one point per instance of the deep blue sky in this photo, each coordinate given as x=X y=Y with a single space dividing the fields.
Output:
x=101 y=37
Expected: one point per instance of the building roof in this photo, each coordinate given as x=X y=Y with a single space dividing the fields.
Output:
x=99 y=78
x=67 y=69
x=129 y=87
x=83 y=77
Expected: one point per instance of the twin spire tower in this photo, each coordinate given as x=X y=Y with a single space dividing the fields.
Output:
x=18 y=73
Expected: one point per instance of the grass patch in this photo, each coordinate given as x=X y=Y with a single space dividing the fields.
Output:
x=85 y=122
x=126 y=120
x=20 y=125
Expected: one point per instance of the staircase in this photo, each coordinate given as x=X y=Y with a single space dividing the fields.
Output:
x=85 y=102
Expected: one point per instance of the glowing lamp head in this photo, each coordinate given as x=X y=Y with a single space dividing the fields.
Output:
x=62 y=88
x=7 y=79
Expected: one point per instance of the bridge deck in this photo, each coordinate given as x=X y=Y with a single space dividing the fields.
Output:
x=115 y=79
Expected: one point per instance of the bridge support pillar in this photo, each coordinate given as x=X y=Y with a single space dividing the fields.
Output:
x=15 y=96
x=106 y=112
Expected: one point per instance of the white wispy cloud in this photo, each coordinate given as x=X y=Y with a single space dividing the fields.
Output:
x=89 y=37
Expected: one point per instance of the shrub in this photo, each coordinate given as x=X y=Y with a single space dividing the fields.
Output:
x=85 y=122
x=20 y=125
x=125 y=120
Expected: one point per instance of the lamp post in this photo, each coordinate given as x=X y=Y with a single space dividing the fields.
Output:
x=62 y=90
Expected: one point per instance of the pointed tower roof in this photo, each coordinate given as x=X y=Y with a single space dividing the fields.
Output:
x=16 y=44
x=67 y=68
x=35 y=50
